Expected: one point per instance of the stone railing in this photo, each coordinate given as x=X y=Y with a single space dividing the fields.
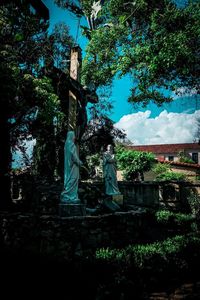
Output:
x=171 y=195
x=43 y=197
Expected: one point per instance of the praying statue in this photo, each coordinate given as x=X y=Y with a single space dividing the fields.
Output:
x=110 y=172
x=71 y=171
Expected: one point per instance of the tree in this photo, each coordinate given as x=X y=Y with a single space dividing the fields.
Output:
x=133 y=163
x=12 y=51
x=57 y=48
x=156 y=42
x=100 y=129
x=99 y=133
x=22 y=36
x=48 y=154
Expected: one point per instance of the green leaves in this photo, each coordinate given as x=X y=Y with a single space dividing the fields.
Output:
x=156 y=42
x=163 y=173
x=102 y=57
x=134 y=162
x=143 y=256
x=19 y=37
x=167 y=217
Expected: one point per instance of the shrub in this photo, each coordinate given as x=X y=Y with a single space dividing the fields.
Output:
x=163 y=173
x=141 y=256
x=164 y=216
x=169 y=175
x=194 y=203
x=186 y=160
x=161 y=168
x=133 y=163
x=183 y=158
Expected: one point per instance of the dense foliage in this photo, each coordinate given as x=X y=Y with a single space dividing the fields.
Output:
x=99 y=133
x=194 y=203
x=163 y=172
x=169 y=217
x=29 y=100
x=154 y=262
x=143 y=256
x=185 y=159
x=156 y=42
x=18 y=55
x=133 y=163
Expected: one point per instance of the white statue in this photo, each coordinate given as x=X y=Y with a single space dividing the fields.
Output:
x=71 y=171
x=110 y=172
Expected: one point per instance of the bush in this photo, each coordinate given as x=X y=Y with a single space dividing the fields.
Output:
x=194 y=203
x=164 y=216
x=183 y=158
x=163 y=173
x=169 y=175
x=186 y=160
x=141 y=256
x=134 y=163
x=161 y=168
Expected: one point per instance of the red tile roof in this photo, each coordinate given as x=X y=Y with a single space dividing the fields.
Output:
x=166 y=148
x=177 y=163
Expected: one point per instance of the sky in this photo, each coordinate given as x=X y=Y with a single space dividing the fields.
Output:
x=170 y=123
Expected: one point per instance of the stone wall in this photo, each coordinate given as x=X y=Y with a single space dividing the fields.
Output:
x=144 y=194
x=65 y=238
x=175 y=195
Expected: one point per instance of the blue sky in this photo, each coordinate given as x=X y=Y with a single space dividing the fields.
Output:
x=120 y=92
x=171 y=123
x=121 y=87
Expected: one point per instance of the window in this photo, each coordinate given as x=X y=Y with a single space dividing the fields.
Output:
x=170 y=158
x=195 y=157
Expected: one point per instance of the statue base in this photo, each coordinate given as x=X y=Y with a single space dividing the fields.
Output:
x=70 y=210
x=119 y=199
x=111 y=205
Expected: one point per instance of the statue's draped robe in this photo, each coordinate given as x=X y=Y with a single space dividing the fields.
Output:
x=71 y=171
x=110 y=174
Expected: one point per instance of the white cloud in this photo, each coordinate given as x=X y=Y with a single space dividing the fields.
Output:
x=166 y=128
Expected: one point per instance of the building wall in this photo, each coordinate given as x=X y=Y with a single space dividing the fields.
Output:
x=163 y=151
x=189 y=153
x=191 y=173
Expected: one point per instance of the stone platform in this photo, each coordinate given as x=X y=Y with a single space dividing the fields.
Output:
x=70 y=210
x=119 y=199
x=113 y=202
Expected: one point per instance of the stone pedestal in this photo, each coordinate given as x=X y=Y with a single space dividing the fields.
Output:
x=119 y=199
x=111 y=205
x=70 y=210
